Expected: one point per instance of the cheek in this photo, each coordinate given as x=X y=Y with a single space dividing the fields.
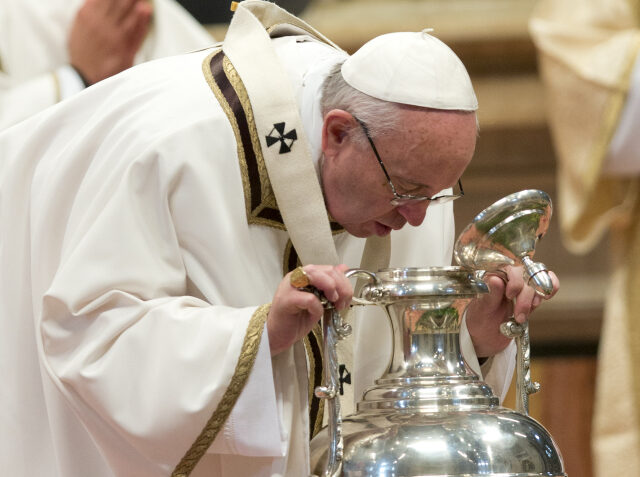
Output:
x=358 y=195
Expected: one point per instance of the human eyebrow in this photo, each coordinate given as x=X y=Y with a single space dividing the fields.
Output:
x=410 y=186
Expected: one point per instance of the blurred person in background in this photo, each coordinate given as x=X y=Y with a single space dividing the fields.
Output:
x=588 y=58
x=51 y=50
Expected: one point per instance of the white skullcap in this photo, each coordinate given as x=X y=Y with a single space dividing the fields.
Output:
x=411 y=68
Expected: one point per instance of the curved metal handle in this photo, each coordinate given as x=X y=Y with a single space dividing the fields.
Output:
x=520 y=332
x=333 y=329
x=524 y=385
x=362 y=275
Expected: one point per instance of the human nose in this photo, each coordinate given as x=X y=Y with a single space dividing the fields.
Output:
x=414 y=212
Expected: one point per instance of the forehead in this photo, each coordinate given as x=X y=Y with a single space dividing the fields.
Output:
x=431 y=143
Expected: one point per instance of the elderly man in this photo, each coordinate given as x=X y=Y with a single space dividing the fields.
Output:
x=147 y=224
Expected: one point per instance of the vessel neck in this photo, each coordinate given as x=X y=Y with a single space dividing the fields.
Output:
x=426 y=341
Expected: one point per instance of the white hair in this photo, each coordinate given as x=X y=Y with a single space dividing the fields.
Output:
x=381 y=117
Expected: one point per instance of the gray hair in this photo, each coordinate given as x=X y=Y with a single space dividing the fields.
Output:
x=381 y=117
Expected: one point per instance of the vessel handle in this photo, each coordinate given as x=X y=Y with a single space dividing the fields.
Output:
x=524 y=385
x=520 y=332
x=363 y=277
x=333 y=330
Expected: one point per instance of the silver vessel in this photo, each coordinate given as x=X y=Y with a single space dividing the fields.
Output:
x=429 y=414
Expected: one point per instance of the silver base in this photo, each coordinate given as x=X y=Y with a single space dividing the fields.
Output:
x=480 y=442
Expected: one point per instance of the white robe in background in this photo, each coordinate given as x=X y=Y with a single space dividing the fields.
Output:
x=129 y=276
x=34 y=58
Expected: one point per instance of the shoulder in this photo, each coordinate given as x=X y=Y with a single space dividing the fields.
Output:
x=152 y=100
x=149 y=111
x=303 y=51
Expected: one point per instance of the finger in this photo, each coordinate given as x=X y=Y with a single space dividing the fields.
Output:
x=309 y=303
x=515 y=282
x=537 y=299
x=342 y=268
x=137 y=24
x=136 y=17
x=556 y=285
x=119 y=10
x=496 y=291
x=96 y=7
x=343 y=287
x=324 y=280
x=523 y=303
x=331 y=281
x=296 y=302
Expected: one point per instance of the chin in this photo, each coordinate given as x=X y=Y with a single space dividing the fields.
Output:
x=368 y=230
x=358 y=231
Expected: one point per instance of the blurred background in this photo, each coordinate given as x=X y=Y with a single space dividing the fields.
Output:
x=514 y=152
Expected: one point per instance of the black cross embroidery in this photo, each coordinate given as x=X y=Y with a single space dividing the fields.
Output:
x=286 y=140
x=345 y=377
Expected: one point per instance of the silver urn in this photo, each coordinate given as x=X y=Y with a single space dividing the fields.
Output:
x=430 y=414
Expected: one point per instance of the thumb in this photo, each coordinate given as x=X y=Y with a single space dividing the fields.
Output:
x=497 y=288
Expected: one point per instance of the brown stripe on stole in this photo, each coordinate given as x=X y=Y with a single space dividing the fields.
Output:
x=313 y=348
x=232 y=90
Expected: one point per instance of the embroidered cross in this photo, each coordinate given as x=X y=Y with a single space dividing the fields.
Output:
x=286 y=140
x=345 y=377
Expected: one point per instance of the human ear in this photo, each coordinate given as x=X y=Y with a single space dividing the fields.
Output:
x=335 y=131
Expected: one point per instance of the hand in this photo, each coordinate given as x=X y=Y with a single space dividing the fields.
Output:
x=106 y=35
x=487 y=313
x=294 y=312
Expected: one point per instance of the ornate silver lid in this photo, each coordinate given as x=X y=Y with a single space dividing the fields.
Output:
x=506 y=233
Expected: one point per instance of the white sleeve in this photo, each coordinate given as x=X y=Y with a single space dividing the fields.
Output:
x=250 y=428
x=142 y=360
x=28 y=82
x=623 y=156
x=69 y=81
x=19 y=101
x=498 y=371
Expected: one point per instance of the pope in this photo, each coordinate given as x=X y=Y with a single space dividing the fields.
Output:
x=150 y=226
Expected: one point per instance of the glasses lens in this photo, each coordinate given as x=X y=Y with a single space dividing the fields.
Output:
x=398 y=201
x=444 y=199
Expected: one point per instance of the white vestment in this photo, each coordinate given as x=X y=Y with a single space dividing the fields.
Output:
x=132 y=269
x=34 y=59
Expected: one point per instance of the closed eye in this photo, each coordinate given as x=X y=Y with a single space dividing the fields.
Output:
x=410 y=188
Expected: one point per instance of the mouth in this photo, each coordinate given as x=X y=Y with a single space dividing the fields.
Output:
x=381 y=230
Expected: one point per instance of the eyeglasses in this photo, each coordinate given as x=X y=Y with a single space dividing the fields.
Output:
x=402 y=199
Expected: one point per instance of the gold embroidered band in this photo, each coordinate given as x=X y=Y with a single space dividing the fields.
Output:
x=245 y=363
x=260 y=201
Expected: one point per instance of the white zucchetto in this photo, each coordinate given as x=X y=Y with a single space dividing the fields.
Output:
x=412 y=68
